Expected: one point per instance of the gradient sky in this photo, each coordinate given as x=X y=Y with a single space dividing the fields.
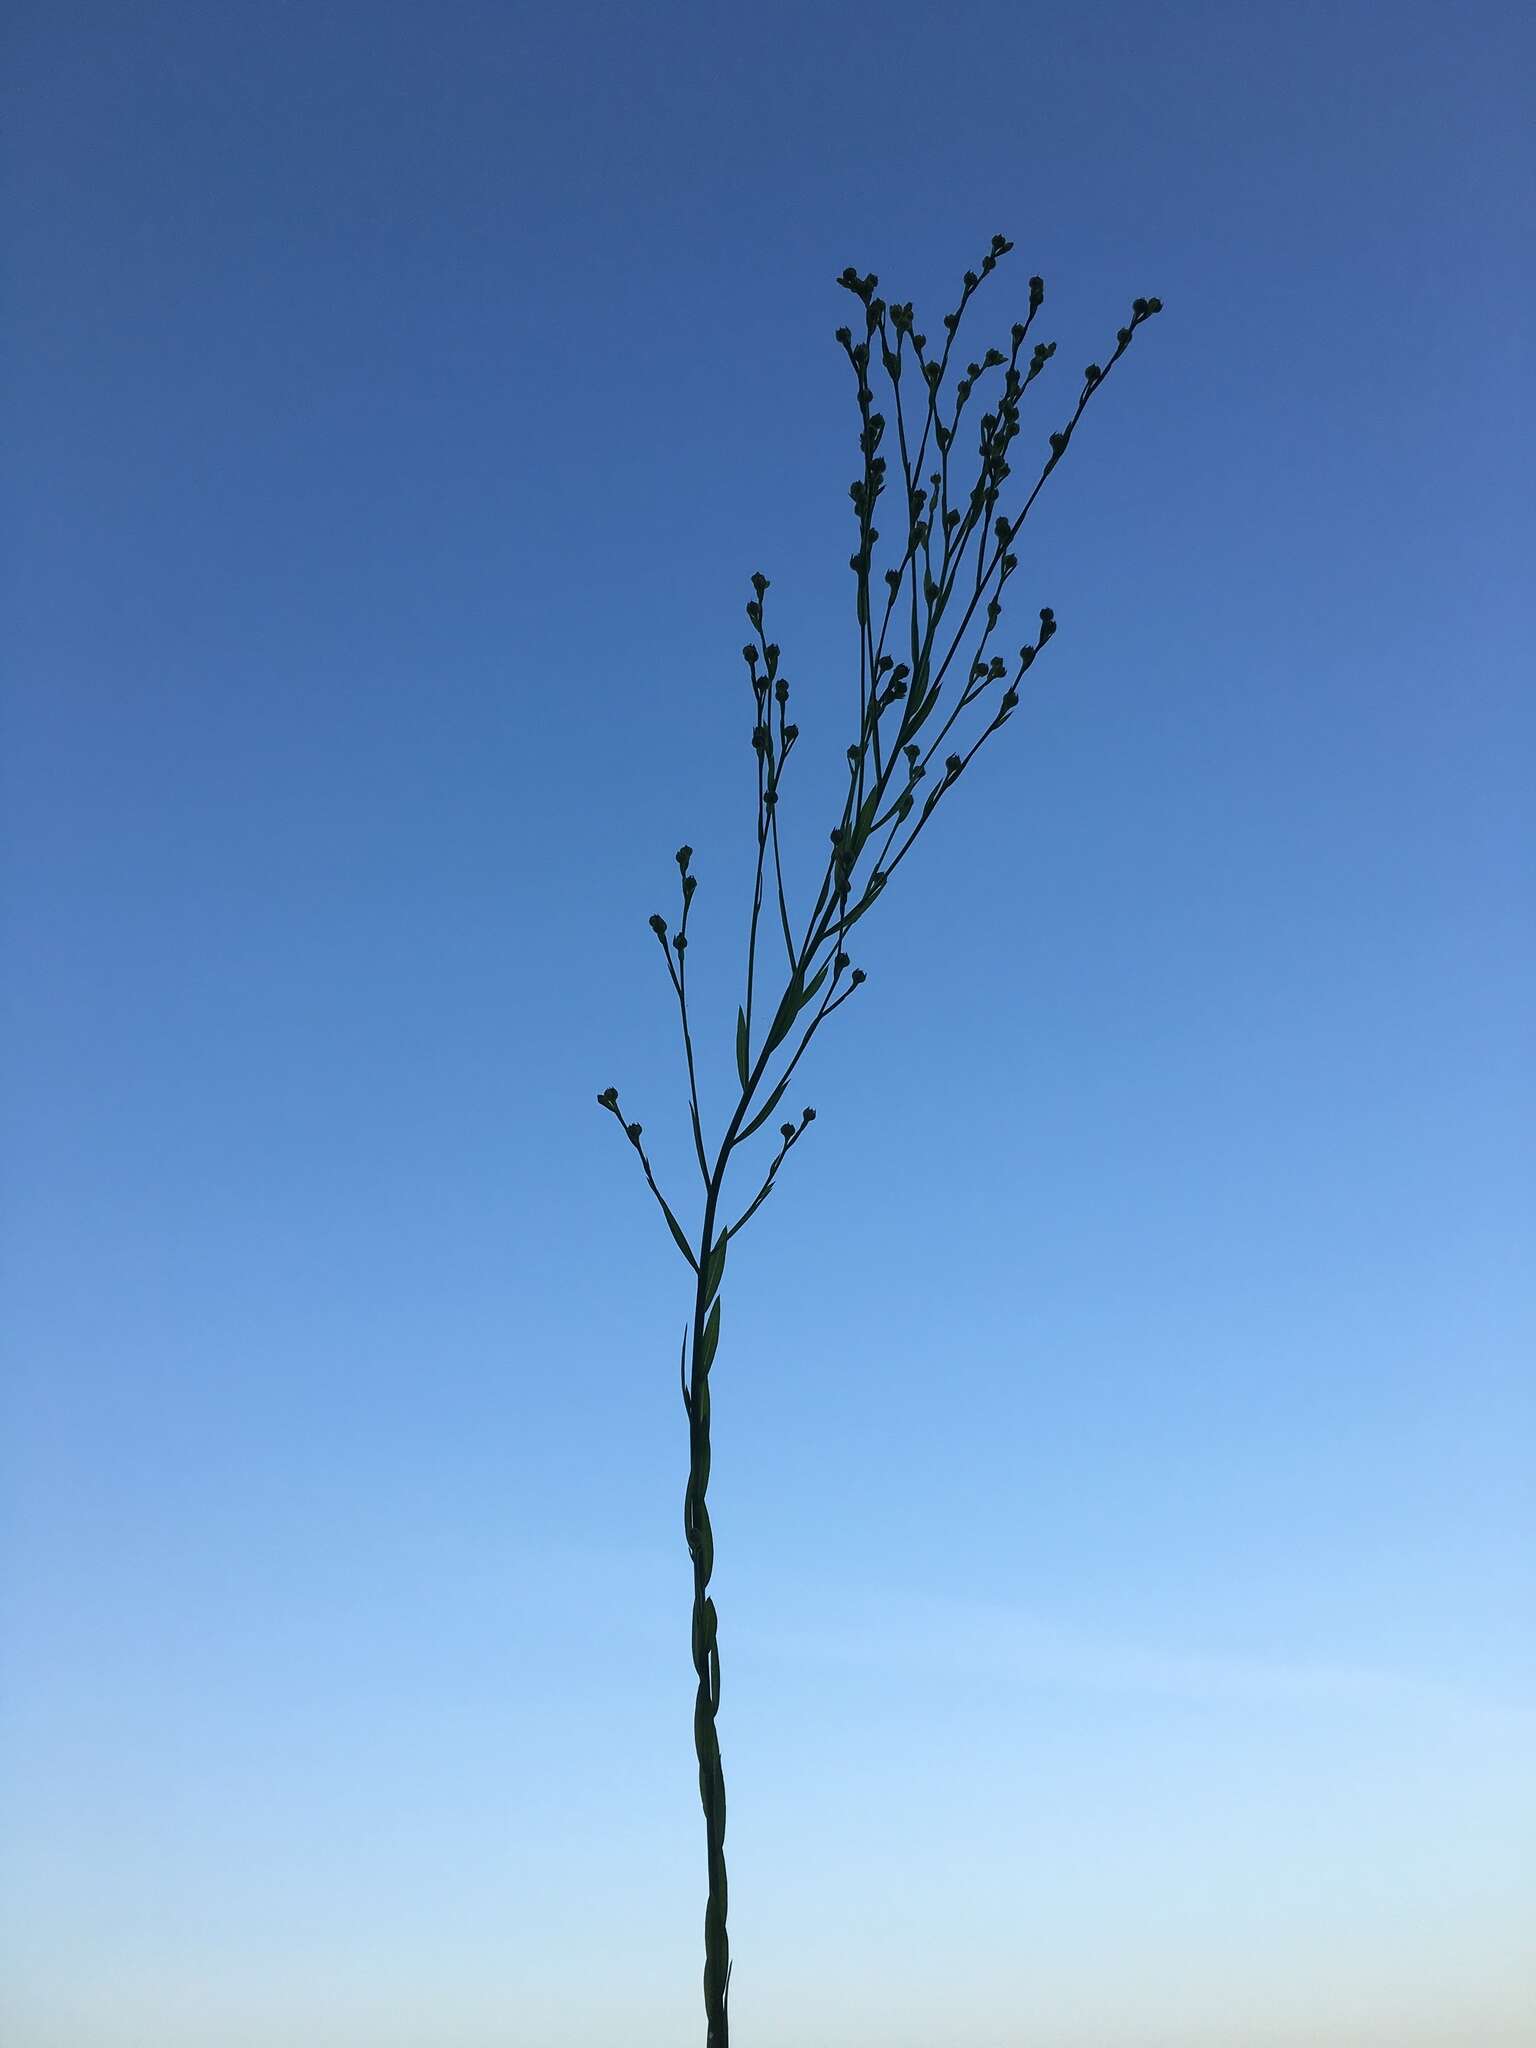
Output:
x=1124 y=1422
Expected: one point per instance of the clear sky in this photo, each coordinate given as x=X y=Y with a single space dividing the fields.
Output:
x=1124 y=1424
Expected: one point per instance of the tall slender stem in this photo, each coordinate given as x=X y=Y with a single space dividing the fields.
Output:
x=706 y=1651
x=881 y=792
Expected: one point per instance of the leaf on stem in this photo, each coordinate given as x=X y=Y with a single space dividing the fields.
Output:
x=709 y=1340
x=785 y=1015
x=796 y=996
x=677 y=1231
x=871 y=892
x=766 y=1111
x=715 y=1268
x=741 y=1046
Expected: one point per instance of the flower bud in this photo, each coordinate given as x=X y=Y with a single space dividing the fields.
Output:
x=634 y=1133
x=609 y=1098
x=659 y=925
x=786 y=1130
x=683 y=856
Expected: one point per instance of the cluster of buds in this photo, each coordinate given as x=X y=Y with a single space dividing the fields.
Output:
x=941 y=527
x=609 y=1100
x=768 y=688
x=941 y=523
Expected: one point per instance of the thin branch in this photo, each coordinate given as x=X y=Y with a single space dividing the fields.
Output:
x=789 y=1135
x=609 y=1100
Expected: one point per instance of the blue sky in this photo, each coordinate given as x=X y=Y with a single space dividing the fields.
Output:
x=1123 y=1414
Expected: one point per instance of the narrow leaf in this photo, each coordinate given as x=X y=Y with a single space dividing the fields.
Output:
x=854 y=915
x=785 y=1015
x=815 y=984
x=715 y=1268
x=918 y=713
x=741 y=1046
x=677 y=1231
x=765 y=1112
x=709 y=1340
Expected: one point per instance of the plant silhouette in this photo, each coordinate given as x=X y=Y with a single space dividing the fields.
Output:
x=950 y=561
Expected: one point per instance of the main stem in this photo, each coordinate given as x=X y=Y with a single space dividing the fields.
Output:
x=706 y=1655
x=706 y=1648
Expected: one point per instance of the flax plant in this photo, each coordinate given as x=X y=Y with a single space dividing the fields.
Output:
x=940 y=597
